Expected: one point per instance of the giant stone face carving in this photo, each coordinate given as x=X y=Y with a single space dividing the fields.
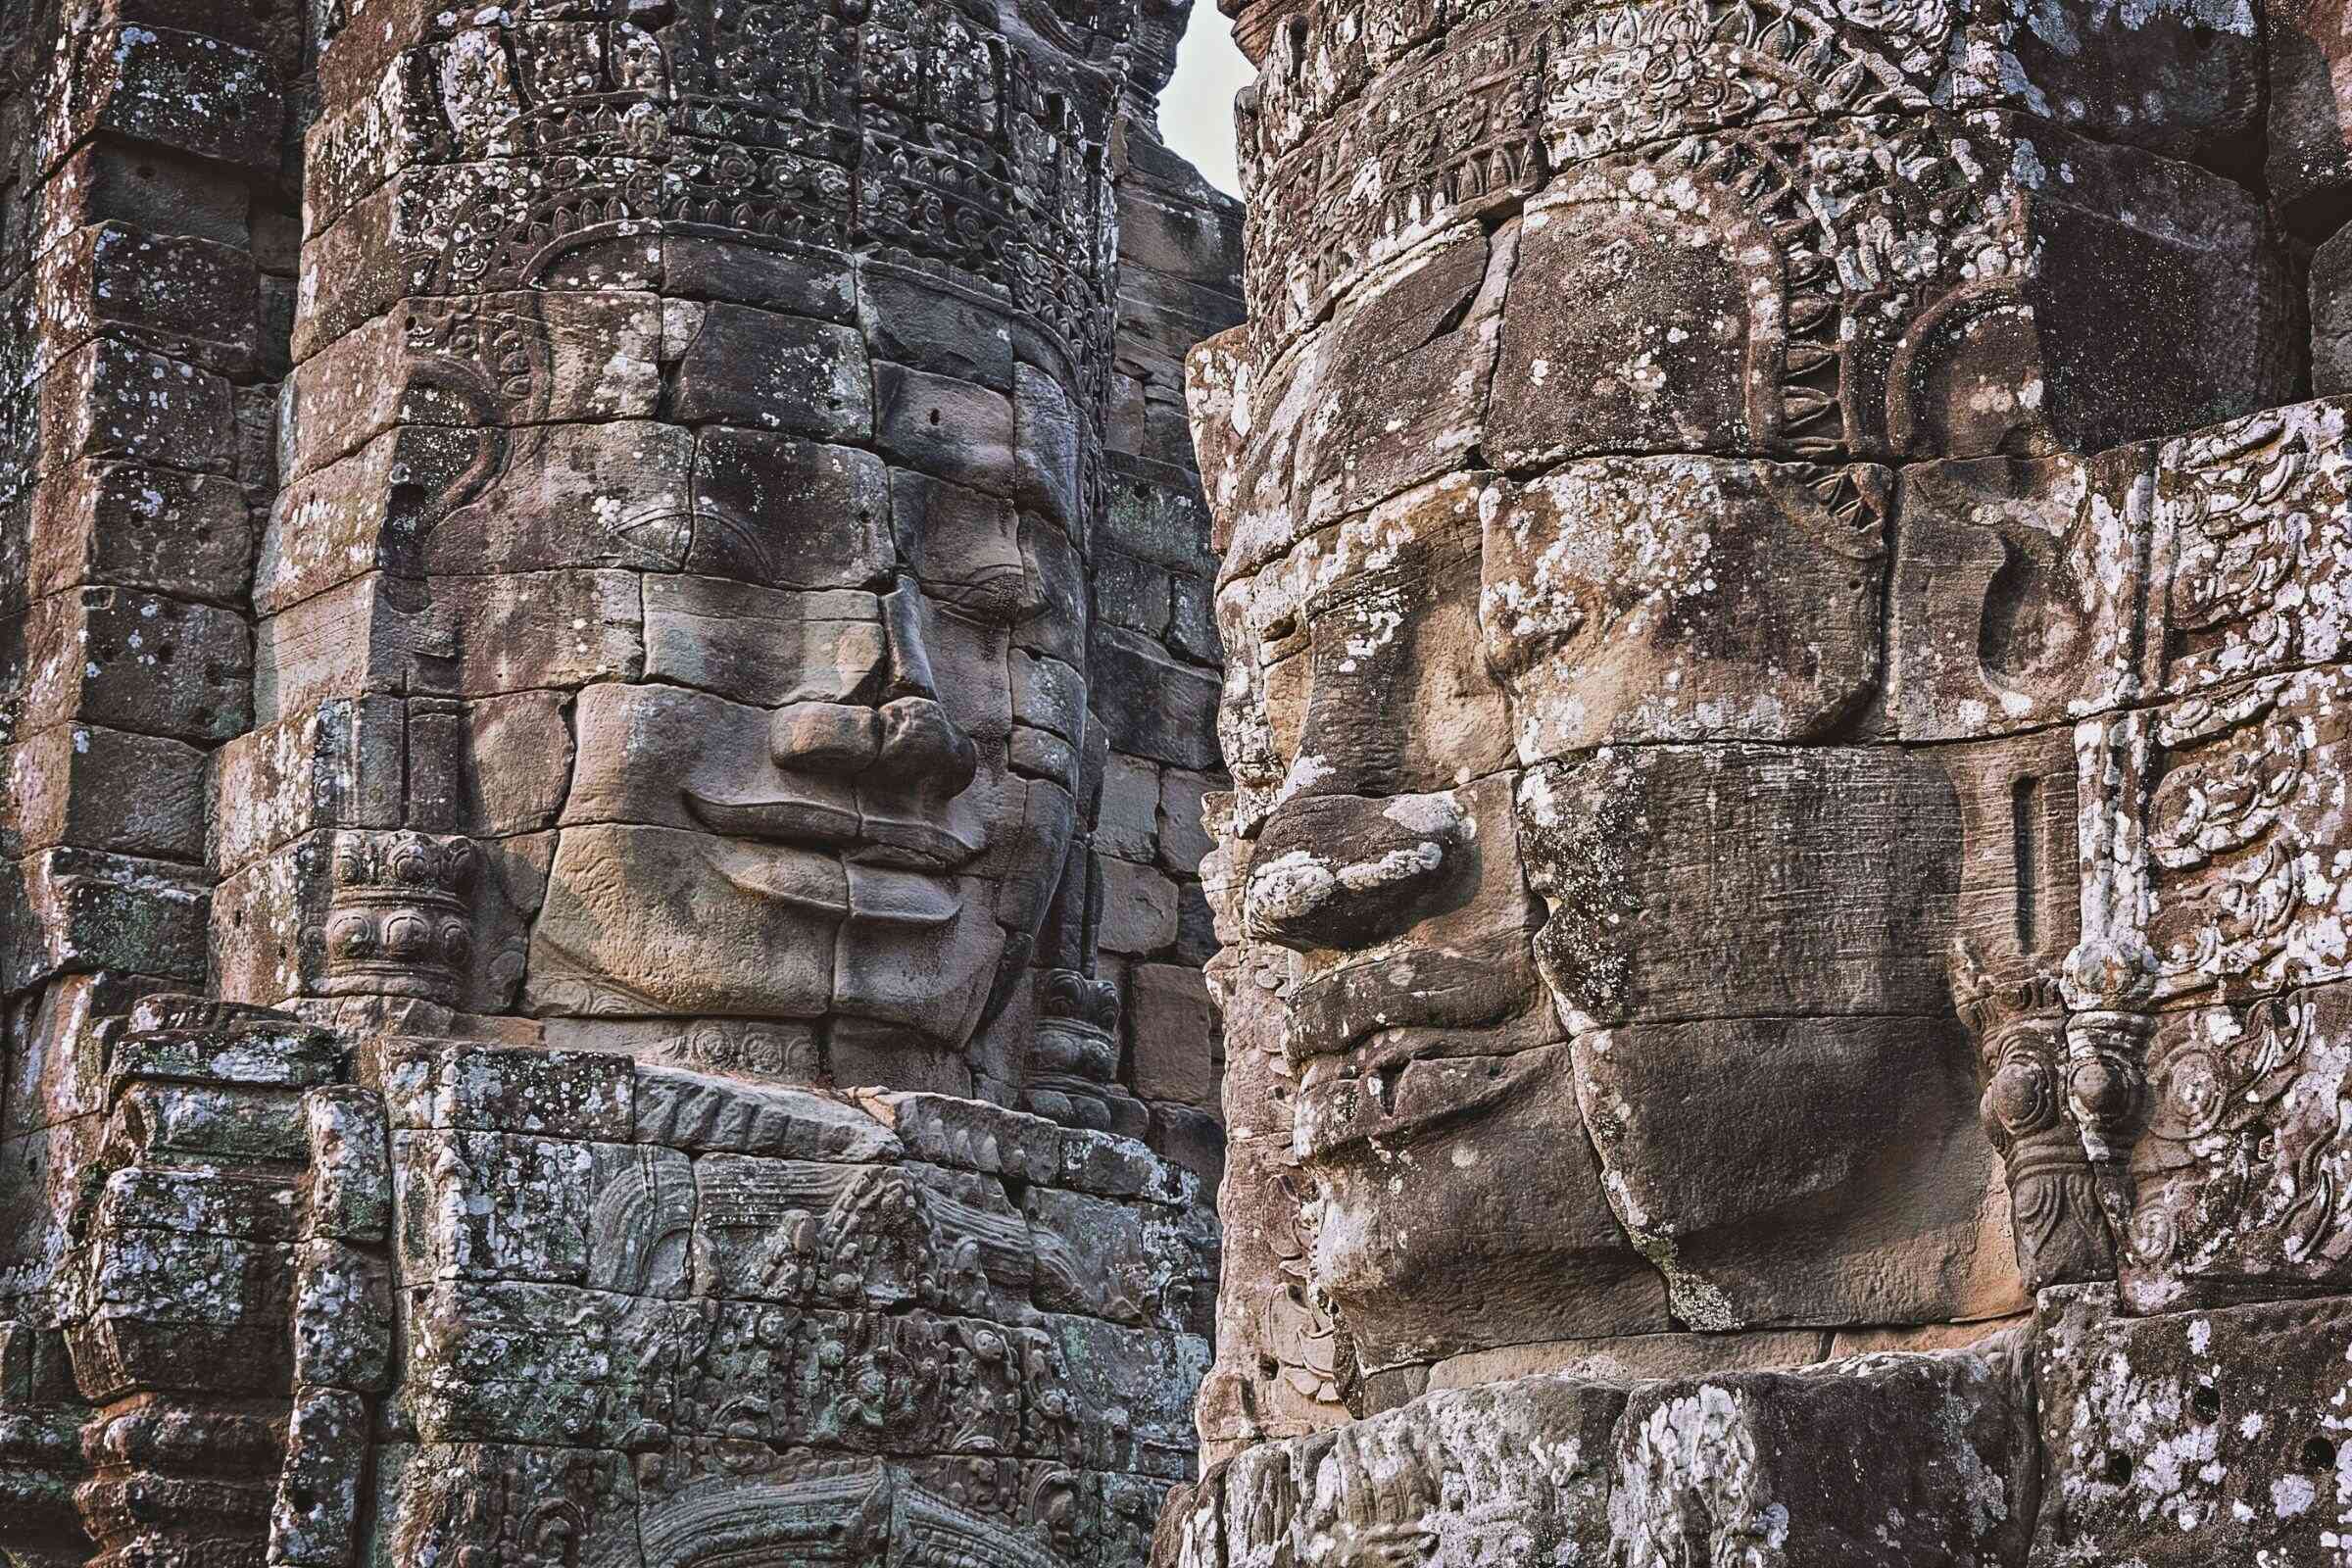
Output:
x=806 y=523
x=1783 y=703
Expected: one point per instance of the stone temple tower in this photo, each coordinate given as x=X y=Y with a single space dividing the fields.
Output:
x=606 y=679
x=1782 y=910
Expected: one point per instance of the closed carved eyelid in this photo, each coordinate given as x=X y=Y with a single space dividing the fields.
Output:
x=1001 y=592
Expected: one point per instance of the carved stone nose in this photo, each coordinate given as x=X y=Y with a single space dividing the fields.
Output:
x=1343 y=871
x=924 y=750
x=838 y=738
x=909 y=743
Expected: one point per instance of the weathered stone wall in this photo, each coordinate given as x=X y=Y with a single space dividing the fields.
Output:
x=1781 y=909
x=567 y=1003
x=1157 y=660
x=146 y=257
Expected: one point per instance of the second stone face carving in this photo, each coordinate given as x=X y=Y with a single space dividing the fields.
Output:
x=1783 y=698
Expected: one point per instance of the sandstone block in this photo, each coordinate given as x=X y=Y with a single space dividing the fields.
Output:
x=82 y=910
x=1060 y=586
x=1045 y=450
x=2309 y=158
x=314 y=1523
x=949 y=429
x=764 y=646
x=1131 y=1389
x=2238 y=1136
x=1129 y=825
x=346 y=1189
x=1184 y=815
x=1171 y=1033
x=138 y=661
x=342 y=1317
x=436 y=1508
x=2168 y=836
x=653 y=920
x=1682 y=599
x=1138 y=909
x=771 y=372
x=1191 y=1138
x=341 y=763
x=2240 y=509
x=1154 y=707
x=539 y=1363
x=1426 y=332
x=590 y=358
x=701 y=1113
x=110 y=400
x=787 y=513
x=2188 y=1437
x=499 y=1207
x=1802 y=1213
x=178 y=295
x=493 y=767
x=2016 y=591
x=1477 y=1242
x=945 y=334
x=1514 y=1471
x=169 y=88
x=462 y=1087
x=185 y=535
x=103 y=789
x=1635 y=850
x=1878 y=1460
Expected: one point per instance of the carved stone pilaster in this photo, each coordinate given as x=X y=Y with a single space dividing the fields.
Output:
x=179 y=1335
x=399 y=922
x=2107 y=1099
x=1074 y=1065
x=2020 y=1024
x=40 y=1449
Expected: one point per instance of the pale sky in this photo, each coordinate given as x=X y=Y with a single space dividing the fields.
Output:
x=1196 y=110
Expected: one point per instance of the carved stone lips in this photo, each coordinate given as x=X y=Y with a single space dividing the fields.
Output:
x=1408 y=1039
x=1405 y=1083
x=873 y=870
x=1414 y=987
x=861 y=838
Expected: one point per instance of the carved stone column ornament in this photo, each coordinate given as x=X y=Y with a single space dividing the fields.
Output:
x=400 y=921
x=1791 y=711
x=1073 y=1074
x=576 y=581
x=2020 y=1026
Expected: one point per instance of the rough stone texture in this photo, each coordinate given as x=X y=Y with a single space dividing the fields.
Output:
x=571 y=579
x=1783 y=594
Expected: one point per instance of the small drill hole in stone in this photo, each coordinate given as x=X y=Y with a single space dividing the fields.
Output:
x=2318 y=1454
x=2119 y=1468
x=2207 y=1402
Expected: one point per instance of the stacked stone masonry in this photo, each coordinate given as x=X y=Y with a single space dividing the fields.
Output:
x=1782 y=910
x=584 y=980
